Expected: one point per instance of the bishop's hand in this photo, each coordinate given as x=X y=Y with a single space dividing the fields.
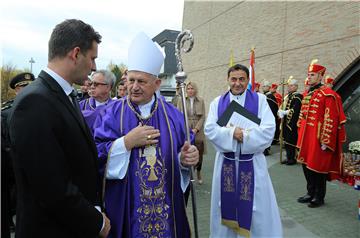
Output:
x=189 y=155
x=141 y=136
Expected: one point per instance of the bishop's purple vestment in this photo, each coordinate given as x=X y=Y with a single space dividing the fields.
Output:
x=148 y=201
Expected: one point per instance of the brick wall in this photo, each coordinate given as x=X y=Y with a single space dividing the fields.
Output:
x=286 y=36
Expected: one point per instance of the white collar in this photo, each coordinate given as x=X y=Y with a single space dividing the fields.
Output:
x=97 y=103
x=238 y=98
x=65 y=85
x=145 y=109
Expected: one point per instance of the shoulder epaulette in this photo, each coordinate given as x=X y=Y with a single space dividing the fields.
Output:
x=6 y=105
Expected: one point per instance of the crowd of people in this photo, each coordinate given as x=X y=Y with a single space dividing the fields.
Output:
x=95 y=166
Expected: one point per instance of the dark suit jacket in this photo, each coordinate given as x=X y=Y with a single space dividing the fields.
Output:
x=55 y=164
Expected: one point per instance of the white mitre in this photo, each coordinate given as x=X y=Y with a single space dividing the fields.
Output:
x=145 y=55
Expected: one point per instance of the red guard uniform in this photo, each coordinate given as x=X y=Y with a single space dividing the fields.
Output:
x=320 y=136
x=277 y=95
x=322 y=119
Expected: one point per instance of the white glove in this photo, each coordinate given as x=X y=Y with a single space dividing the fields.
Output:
x=286 y=112
x=281 y=113
x=323 y=147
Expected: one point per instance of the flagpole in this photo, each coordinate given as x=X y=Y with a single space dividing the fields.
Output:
x=180 y=77
x=282 y=120
x=252 y=68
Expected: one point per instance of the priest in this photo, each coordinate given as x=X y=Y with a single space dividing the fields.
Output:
x=143 y=154
x=243 y=201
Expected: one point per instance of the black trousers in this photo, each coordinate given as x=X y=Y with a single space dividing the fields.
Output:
x=290 y=152
x=200 y=146
x=316 y=183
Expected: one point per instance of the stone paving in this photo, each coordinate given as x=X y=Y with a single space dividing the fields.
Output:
x=337 y=218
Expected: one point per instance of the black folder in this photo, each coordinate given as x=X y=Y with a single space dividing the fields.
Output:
x=236 y=107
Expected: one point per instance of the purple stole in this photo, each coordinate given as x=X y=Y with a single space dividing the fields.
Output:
x=137 y=205
x=237 y=194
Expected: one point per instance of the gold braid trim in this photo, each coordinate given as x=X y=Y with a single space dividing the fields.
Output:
x=326 y=129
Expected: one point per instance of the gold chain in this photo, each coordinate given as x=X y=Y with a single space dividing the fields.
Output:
x=141 y=118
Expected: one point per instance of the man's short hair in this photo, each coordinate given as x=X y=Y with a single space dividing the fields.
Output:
x=69 y=34
x=237 y=67
x=108 y=75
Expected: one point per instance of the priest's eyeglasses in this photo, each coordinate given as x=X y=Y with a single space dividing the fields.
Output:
x=96 y=84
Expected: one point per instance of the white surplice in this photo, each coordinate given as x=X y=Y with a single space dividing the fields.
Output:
x=266 y=217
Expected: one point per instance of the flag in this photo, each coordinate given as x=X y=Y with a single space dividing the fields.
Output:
x=252 y=69
x=231 y=61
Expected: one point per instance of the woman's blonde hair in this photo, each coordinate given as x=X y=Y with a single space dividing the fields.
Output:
x=193 y=84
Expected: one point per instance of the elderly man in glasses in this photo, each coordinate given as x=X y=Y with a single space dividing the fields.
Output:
x=101 y=84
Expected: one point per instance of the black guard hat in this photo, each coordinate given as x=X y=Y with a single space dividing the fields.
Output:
x=22 y=79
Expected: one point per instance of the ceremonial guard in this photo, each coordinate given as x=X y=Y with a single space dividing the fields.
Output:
x=8 y=202
x=321 y=134
x=292 y=105
x=265 y=87
x=257 y=87
x=306 y=87
x=329 y=82
x=277 y=95
x=274 y=106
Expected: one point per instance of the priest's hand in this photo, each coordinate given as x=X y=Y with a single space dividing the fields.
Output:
x=140 y=136
x=189 y=155
x=106 y=229
x=238 y=134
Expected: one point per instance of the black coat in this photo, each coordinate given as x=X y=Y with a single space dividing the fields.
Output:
x=274 y=109
x=293 y=104
x=7 y=175
x=55 y=165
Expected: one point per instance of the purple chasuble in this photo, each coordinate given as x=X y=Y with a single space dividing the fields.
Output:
x=87 y=104
x=148 y=201
x=90 y=111
x=238 y=192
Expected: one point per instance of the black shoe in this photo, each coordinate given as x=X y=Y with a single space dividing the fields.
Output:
x=284 y=162
x=291 y=162
x=316 y=203
x=305 y=199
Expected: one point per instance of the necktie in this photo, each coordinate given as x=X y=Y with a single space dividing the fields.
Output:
x=76 y=105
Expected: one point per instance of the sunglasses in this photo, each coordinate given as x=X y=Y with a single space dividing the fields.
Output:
x=96 y=83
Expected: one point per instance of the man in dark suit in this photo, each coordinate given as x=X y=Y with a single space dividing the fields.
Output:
x=8 y=188
x=55 y=158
